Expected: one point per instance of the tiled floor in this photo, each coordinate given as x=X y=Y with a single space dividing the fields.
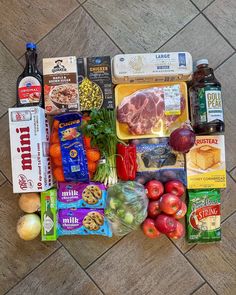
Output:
x=133 y=265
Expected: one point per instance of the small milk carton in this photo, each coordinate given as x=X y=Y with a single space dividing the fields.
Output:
x=206 y=163
x=29 y=139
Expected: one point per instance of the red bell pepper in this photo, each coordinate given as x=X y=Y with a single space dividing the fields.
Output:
x=126 y=161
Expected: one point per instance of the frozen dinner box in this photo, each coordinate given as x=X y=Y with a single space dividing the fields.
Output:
x=29 y=140
x=206 y=163
x=152 y=67
x=60 y=77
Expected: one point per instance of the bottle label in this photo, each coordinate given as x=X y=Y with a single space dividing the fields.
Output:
x=29 y=90
x=210 y=104
x=48 y=224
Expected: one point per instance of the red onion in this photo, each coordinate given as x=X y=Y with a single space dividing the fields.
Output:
x=182 y=139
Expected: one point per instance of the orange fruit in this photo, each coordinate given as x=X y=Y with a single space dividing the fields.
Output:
x=92 y=166
x=93 y=155
x=90 y=175
x=57 y=161
x=55 y=150
x=54 y=138
x=87 y=142
x=86 y=118
x=55 y=124
x=59 y=174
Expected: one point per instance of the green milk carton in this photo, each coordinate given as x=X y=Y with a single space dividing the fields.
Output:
x=49 y=215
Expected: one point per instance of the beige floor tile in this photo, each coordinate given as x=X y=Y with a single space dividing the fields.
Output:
x=228 y=200
x=10 y=69
x=216 y=262
x=140 y=26
x=60 y=275
x=29 y=21
x=5 y=163
x=17 y=257
x=202 y=41
x=81 y=37
x=204 y=290
x=226 y=74
x=201 y=4
x=139 y=265
x=222 y=14
x=86 y=249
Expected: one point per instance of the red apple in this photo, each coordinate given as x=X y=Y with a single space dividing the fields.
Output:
x=165 y=224
x=178 y=233
x=149 y=228
x=181 y=212
x=153 y=209
x=170 y=203
x=155 y=189
x=175 y=187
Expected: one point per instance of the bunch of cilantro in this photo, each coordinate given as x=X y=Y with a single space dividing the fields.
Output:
x=101 y=129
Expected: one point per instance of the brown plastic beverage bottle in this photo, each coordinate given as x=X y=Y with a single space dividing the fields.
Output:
x=30 y=82
x=206 y=106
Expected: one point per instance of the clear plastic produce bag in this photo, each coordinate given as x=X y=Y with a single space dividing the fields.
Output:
x=126 y=206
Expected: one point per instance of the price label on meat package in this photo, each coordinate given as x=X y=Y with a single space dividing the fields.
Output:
x=172 y=97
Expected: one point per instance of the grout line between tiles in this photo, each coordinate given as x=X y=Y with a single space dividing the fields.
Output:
x=203 y=14
x=84 y=270
x=9 y=51
x=231 y=169
x=24 y=277
x=2 y=184
x=178 y=31
x=91 y=263
x=204 y=7
x=102 y=28
x=230 y=176
x=199 y=287
x=189 y=261
x=226 y=218
x=224 y=61
x=77 y=7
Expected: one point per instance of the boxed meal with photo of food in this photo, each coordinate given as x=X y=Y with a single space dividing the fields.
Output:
x=60 y=78
x=206 y=163
x=95 y=83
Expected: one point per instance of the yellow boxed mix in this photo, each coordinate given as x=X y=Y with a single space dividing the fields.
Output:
x=206 y=163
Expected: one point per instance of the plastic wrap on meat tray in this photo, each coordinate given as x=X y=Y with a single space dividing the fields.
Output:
x=150 y=110
x=156 y=160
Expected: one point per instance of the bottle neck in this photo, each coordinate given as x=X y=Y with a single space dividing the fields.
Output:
x=31 y=61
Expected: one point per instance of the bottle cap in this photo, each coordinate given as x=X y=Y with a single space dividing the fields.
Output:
x=30 y=45
x=202 y=62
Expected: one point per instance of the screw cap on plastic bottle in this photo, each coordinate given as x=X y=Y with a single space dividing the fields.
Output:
x=202 y=62
x=30 y=45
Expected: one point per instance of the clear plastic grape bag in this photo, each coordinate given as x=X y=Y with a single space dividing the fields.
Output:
x=126 y=206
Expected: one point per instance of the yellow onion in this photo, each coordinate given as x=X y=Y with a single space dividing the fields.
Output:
x=29 y=227
x=29 y=202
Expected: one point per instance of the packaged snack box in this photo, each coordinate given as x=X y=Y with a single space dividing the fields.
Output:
x=81 y=195
x=29 y=139
x=60 y=78
x=83 y=222
x=206 y=163
x=203 y=216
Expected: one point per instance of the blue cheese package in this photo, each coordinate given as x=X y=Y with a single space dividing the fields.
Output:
x=74 y=158
x=83 y=222
x=156 y=160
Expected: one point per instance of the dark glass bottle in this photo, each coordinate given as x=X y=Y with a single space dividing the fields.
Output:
x=30 y=82
x=206 y=106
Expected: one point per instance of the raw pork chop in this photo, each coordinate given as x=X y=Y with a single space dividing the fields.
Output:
x=143 y=109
